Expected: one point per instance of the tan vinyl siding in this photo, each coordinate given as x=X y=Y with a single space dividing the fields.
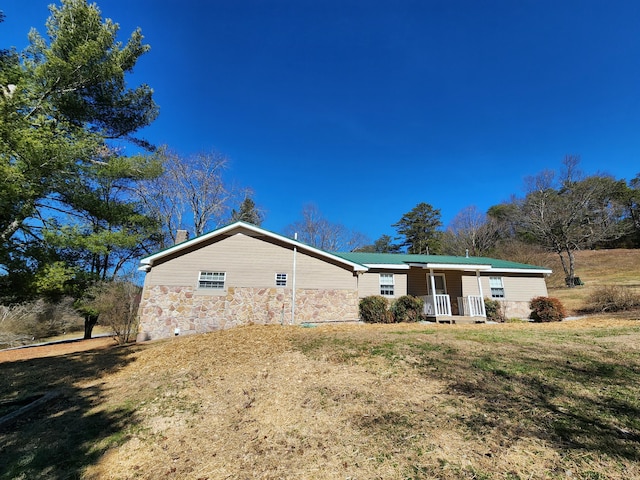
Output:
x=250 y=261
x=369 y=283
x=517 y=287
x=419 y=278
x=418 y=282
x=454 y=283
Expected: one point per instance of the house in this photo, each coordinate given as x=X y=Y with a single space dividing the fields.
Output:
x=241 y=274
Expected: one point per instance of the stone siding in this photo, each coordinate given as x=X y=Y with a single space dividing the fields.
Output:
x=165 y=310
x=512 y=309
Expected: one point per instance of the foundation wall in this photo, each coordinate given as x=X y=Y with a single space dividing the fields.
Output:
x=169 y=310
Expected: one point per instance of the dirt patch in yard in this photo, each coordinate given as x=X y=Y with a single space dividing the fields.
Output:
x=55 y=349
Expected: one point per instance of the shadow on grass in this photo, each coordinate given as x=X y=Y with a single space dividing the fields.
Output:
x=69 y=433
x=576 y=404
x=572 y=397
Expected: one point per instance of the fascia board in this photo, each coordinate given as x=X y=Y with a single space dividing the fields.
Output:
x=522 y=270
x=452 y=266
x=389 y=266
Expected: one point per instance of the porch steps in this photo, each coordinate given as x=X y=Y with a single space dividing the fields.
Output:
x=456 y=319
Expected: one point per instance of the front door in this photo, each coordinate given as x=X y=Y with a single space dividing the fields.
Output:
x=440 y=283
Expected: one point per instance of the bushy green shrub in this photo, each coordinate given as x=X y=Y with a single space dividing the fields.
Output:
x=407 y=309
x=613 y=298
x=493 y=309
x=375 y=309
x=546 y=309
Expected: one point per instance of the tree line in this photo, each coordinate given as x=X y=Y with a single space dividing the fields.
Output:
x=562 y=211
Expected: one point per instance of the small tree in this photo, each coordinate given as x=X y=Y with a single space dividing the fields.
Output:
x=384 y=244
x=116 y=304
x=247 y=212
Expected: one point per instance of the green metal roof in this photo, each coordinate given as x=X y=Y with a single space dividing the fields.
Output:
x=362 y=260
x=365 y=258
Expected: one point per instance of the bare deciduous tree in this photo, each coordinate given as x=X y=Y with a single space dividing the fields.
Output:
x=190 y=195
x=315 y=230
x=570 y=213
x=470 y=231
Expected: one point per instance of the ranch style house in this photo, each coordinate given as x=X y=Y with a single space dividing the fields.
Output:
x=241 y=274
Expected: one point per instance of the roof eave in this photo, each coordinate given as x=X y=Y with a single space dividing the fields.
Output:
x=148 y=261
x=394 y=266
x=544 y=271
x=452 y=266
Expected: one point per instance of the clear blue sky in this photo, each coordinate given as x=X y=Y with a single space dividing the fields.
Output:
x=367 y=108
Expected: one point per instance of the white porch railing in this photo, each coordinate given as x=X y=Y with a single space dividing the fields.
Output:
x=471 y=306
x=441 y=305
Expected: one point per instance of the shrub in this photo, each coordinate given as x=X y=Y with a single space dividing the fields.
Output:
x=117 y=305
x=26 y=322
x=493 y=309
x=546 y=309
x=613 y=298
x=375 y=309
x=407 y=309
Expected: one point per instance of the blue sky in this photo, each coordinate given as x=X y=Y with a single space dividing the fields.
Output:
x=367 y=108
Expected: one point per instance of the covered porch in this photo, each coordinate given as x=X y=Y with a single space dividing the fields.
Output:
x=451 y=304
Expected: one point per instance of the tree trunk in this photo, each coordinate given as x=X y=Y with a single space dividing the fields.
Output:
x=565 y=267
x=571 y=277
x=89 y=322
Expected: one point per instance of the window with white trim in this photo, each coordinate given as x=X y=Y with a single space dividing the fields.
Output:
x=214 y=280
x=497 y=287
x=281 y=279
x=386 y=284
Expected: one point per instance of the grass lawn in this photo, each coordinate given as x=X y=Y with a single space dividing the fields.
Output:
x=412 y=401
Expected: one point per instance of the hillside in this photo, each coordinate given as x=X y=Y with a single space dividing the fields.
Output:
x=412 y=401
x=595 y=268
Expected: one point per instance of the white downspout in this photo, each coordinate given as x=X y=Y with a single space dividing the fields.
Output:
x=293 y=283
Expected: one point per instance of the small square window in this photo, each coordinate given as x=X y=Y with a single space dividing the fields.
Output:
x=213 y=280
x=497 y=287
x=281 y=279
x=386 y=284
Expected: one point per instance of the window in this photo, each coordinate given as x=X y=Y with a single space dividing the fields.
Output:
x=386 y=284
x=497 y=287
x=211 y=280
x=281 y=279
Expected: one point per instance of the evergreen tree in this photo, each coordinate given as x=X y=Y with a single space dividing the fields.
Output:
x=419 y=227
x=247 y=212
x=63 y=102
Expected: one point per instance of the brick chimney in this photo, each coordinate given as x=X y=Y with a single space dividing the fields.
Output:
x=181 y=236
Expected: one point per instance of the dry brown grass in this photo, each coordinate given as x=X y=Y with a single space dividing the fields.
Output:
x=595 y=268
x=414 y=401
x=362 y=401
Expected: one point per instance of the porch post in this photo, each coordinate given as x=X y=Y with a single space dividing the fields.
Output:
x=433 y=291
x=484 y=313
